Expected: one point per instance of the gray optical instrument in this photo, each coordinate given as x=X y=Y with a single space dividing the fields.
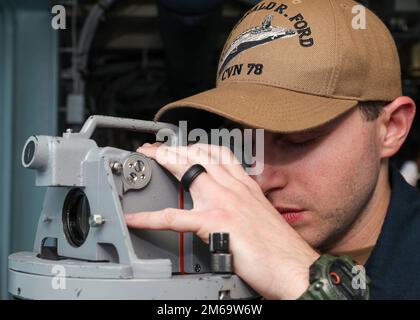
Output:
x=83 y=248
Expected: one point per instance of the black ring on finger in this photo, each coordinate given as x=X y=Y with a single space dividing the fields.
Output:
x=190 y=175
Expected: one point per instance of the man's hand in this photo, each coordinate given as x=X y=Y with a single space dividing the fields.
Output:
x=268 y=254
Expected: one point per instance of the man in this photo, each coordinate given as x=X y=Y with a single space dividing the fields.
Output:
x=328 y=94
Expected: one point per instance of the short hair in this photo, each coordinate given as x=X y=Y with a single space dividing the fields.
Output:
x=371 y=110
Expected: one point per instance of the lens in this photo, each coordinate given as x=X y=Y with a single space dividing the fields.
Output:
x=76 y=212
x=29 y=152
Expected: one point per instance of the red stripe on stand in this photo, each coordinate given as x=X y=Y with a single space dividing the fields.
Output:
x=181 y=234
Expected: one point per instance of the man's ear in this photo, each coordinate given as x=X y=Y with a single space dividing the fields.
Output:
x=395 y=124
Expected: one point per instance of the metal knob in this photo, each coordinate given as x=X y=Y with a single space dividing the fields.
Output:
x=96 y=220
x=221 y=259
x=36 y=152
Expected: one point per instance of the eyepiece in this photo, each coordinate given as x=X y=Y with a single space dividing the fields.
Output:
x=35 y=152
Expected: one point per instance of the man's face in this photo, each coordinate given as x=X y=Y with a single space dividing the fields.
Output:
x=329 y=173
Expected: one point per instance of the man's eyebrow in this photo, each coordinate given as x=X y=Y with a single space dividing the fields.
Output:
x=318 y=130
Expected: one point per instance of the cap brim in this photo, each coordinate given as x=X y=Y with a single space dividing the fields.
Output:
x=267 y=107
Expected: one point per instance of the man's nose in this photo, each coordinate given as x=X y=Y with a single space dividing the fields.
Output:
x=271 y=178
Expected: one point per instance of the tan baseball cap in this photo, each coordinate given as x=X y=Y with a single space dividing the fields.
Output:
x=296 y=64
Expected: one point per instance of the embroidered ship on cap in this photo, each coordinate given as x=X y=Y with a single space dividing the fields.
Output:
x=254 y=37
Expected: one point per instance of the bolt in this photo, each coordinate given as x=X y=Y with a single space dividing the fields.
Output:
x=219 y=242
x=69 y=131
x=139 y=166
x=116 y=167
x=96 y=220
x=318 y=286
x=133 y=177
x=224 y=295
x=197 y=268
